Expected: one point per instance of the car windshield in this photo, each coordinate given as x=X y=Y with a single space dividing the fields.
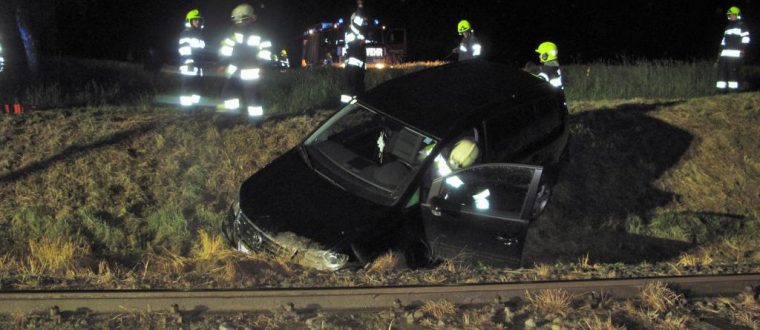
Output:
x=369 y=153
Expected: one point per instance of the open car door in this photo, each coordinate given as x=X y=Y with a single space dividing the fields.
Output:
x=481 y=213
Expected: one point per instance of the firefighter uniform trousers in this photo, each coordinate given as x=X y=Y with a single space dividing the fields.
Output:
x=735 y=40
x=191 y=47
x=356 y=56
x=245 y=53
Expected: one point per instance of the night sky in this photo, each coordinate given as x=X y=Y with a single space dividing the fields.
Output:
x=584 y=30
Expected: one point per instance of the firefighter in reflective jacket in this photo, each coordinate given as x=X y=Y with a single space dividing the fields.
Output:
x=284 y=61
x=281 y=61
x=469 y=47
x=2 y=59
x=356 y=55
x=244 y=52
x=191 y=47
x=549 y=69
x=735 y=41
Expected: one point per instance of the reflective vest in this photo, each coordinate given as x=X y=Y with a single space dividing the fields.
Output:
x=190 y=50
x=469 y=48
x=735 y=40
x=356 y=49
x=550 y=72
x=245 y=51
x=2 y=59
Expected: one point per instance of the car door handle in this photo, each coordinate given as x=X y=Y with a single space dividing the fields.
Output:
x=507 y=240
x=439 y=205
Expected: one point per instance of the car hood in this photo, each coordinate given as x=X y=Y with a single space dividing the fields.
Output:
x=289 y=196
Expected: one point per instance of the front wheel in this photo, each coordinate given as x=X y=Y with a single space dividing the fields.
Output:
x=419 y=255
x=542 y=199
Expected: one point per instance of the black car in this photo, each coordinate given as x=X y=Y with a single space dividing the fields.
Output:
x=389 y=171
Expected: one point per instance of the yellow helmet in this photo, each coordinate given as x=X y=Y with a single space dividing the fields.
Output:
x=547 y=51
x=242 y=14
x=464 y=154
x=463 y=26
x=193 y=14
x=734 y=10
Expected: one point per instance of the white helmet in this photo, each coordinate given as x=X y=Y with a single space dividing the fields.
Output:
x=242 y=14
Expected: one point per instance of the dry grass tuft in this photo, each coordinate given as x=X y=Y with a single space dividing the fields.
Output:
x=658 y=298
x=384 y=263
x=455 y=265
x=51 y=254
x=552 y=301
x=231 y=272
x=747 y=319
x=105 y=275
x=477 y=319
x=748 y=303
x=211 y=247
x=543 y=271
x=597 y=323
x=433 y=278
x=169 y=264
x=687 y=260
x=739 y=247
x=584 y=262
x=673 y=323
x=439 y=309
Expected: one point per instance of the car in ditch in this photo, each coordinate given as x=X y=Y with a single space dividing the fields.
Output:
x=455 y=160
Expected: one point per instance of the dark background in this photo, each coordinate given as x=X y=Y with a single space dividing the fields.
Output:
x=585 y=30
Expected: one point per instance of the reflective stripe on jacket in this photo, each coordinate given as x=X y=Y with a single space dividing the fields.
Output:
x=735 y=40
x=245 y=49
x=469 y=48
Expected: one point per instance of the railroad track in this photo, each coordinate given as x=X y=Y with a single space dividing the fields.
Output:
x=347 y=299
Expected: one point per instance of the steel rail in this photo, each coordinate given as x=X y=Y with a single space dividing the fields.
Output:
x=345 y=299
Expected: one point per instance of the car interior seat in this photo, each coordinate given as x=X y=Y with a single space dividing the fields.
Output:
x=404 y=146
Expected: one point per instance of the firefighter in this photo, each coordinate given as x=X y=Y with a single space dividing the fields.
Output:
x=245 y=52
x=284 y=63
x=469 y=47
x=462 y=154
x=549 y=69
x=2 y=59
x=735 y=41
x=356 y=55
x=191 y=47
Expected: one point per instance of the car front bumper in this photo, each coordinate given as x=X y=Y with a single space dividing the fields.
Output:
x=245 y=236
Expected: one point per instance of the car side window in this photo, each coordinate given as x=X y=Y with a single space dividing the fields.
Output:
x=488 y=190
x=507 y=133
x=510 y=132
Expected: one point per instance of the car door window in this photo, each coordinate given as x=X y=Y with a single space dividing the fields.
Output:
x=507 y=133
x=493 y=190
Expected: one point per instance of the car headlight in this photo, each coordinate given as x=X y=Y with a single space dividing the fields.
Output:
x=255 y=241
x=333 y=260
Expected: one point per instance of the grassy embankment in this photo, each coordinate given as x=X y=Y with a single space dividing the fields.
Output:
x=131 y=195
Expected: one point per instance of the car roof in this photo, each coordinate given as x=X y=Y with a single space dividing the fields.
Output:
x=438 y=99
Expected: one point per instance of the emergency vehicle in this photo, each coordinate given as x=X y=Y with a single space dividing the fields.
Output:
x=323 y=44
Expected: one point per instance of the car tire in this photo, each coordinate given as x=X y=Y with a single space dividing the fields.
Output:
x=419 y=255
x=542 y=199
x=362 y=254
